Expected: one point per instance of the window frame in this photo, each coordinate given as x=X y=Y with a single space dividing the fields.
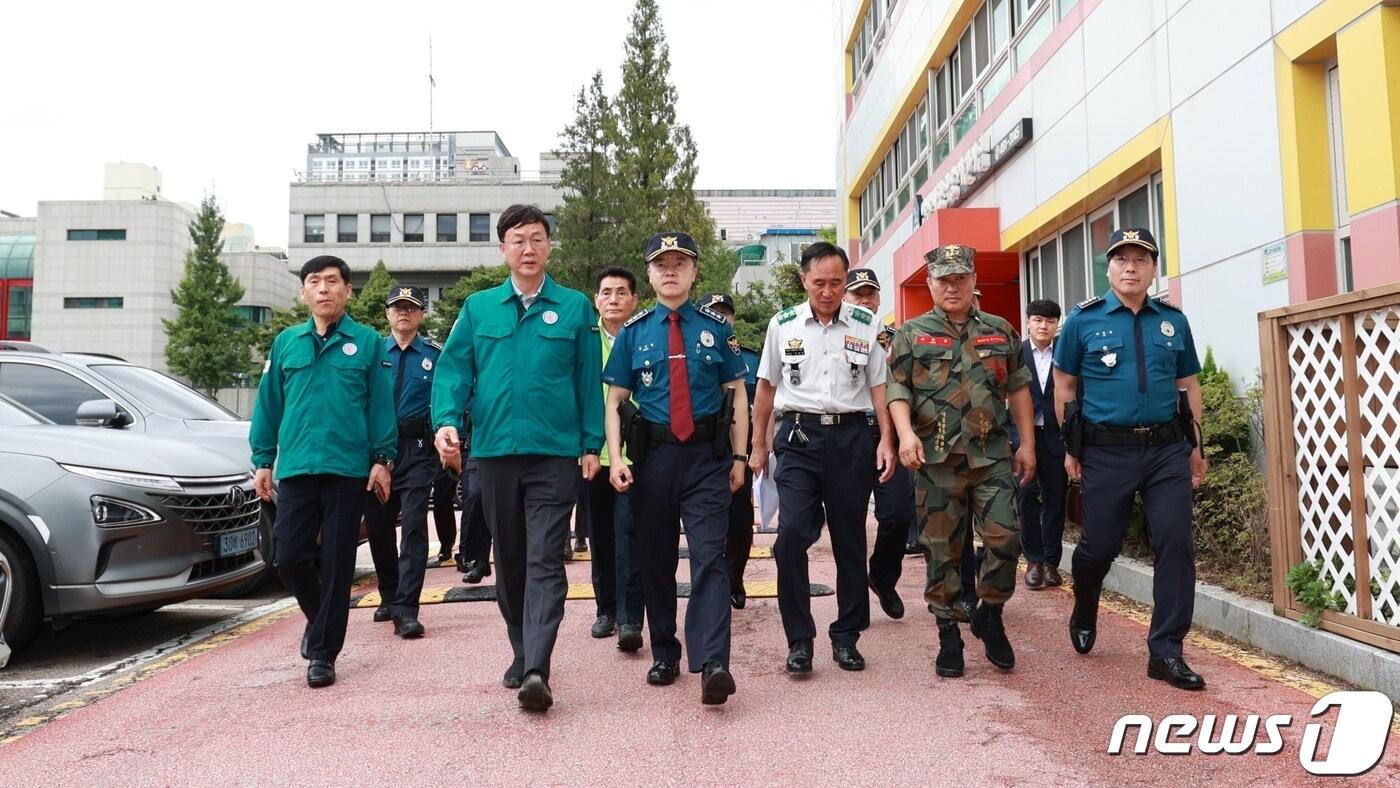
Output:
x=414 y=238
x=306 y=235
x=341 y=236
x=445 y=237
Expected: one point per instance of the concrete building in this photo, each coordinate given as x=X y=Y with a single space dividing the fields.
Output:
x=100 y=272
x=1256 y=139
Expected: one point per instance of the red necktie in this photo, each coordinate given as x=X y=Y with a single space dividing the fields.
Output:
x=682 y=422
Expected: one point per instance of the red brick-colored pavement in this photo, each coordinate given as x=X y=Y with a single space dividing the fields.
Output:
x=432 y=711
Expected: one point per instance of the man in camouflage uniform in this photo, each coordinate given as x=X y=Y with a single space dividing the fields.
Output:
x=953 y=371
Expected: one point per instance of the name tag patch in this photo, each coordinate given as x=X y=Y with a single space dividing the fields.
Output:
x=934 y=341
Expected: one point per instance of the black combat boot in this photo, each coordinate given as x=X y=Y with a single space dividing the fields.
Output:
x=987 y=627
x=950 y=650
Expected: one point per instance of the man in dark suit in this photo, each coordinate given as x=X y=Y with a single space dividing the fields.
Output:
x=1042 y=502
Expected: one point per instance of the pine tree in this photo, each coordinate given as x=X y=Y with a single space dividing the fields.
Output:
x=208 y=339
x=585 y=222
x=367 y=305
x=443 y=314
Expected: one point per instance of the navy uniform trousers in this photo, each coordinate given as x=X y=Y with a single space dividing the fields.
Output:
x=444 y=504
x=476 y=537
x=330 y=507
x=831 y=473
x=894 y=512
x=1043 y=506
x=401 y=571
x=684 y=485
x=1111 y=476
x=738 y=542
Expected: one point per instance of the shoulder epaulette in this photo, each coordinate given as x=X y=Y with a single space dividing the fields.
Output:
x=1088 y=302
x=433 y=343
x=710 y=313
x=1166 y=301
x=638 y=316
x=787 y=315
x=862 y=315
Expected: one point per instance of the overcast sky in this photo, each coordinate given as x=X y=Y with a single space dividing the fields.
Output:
x=226 y=96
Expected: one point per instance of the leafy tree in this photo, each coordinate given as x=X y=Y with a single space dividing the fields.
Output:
x=208 y=339
x=443 y=314
x=367 y=306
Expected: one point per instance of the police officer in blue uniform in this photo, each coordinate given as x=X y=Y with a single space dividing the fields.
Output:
x=739 y=543
x=413 y=358
x=1133 y=354
x=679 y=362
x=894 y=499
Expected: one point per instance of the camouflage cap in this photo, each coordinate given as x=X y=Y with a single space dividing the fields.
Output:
x=949 y=260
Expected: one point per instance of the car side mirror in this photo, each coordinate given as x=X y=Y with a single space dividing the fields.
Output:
x=101 y=413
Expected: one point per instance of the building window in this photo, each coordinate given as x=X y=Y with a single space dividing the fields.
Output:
x=347 y=229
x=479 y=228
x=413 y=228
x=313 y=228
x=257 y=315
x=100 y=302
x=723 y=234
x=379 y=228
x=447 y=228
x=97 y=235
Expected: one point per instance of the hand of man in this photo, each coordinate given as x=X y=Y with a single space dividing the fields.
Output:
x=1023 y=465
x=736 y=476
x=911 y=452
x=1072 y=467
x=262 y=484
x=885 y=460
x=620 y=476
x=1199 y=466
x=449 y=448
x=379 y=481
x=590 y=465
x=758 y=458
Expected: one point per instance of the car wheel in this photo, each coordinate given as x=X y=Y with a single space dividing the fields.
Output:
x=269 y=572
x=26 y=610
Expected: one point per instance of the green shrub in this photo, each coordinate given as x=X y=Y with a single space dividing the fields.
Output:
x=1313 y=591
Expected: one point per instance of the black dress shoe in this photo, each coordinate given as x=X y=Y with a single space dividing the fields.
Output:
x=534 y=693
x=716 y=684
x=889 y=600
x=663 y=673
x=406 y=626
x=912 y=548
x=604 y=626
x=738 y=599
x=1084 y=619
x=988 y=628
x=320 y=673
x=1035 y=577
x=847 y=658
x=799 y=658
x=444 y=557
x=1175 y=672
x=949 y=663
x=475 y=571
x=383 y=613
x=629 y=638
x=462 y=563
x=580 y=545
x=515 y=675
x=1052 y=575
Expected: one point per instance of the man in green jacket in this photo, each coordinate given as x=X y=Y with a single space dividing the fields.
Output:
x=525 y=357
x=324 y=417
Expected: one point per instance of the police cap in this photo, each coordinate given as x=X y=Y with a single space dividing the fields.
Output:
x=414 y=295
x=671 y=242
x=1133 y=236
x=713 y=300
x=856 y=278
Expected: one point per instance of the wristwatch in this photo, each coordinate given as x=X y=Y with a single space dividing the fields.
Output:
x=741 y=457
x=593 y=452
x=380 y=459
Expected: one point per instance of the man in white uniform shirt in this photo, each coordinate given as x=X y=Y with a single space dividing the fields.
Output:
x=824 y=368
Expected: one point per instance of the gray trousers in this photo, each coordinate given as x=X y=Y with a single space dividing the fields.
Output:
x=528 y=500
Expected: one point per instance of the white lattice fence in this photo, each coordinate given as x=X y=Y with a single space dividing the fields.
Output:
x=1320 y=435
x=1378 y=367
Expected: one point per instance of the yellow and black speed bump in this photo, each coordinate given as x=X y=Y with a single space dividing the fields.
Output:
x=755 y=552
x=431 y=596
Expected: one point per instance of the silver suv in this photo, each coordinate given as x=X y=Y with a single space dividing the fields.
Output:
x=106 y=521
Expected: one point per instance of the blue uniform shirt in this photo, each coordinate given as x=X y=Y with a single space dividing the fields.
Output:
x=639 y=360
x=412 y=370
x=750 y=358
x=1128 y=364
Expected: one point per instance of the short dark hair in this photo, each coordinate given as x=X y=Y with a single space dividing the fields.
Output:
x=1043 y=307
x=519 y=216
x=321 y=263
x=618 y=272
x=822 y=249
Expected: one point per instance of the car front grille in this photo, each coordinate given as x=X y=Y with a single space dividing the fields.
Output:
x=216 y=513
x=218 y=566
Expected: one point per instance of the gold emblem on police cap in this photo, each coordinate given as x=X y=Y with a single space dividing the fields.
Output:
x=862 y=276
x=406 y=292
x=668 y=242
x=1131 y=235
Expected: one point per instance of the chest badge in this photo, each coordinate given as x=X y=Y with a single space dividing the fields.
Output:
x=551 y=317
x=1168 y=330
x=707 y=339
x=647 y=376
x=1110 y=360
x=427 y=365
x=349 y=348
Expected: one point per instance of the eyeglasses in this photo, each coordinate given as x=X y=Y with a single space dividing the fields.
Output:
x=521 y=243
x=1136 y=261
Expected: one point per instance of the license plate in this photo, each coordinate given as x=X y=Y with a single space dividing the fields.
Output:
x=238 y=542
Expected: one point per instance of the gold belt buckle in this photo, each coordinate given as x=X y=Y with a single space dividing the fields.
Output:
x=827 y=419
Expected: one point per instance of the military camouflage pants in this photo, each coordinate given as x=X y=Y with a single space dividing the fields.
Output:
x=943 y=494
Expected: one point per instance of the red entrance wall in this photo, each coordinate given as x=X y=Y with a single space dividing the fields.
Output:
x=998 y=272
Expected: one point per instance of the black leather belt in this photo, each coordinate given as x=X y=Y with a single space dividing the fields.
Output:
x=1152 y=435
x=825 y=419
x=413 y=429
x=704 y=431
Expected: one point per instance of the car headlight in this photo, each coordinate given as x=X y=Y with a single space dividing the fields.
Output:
x=113 y=512
x=125 y=477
